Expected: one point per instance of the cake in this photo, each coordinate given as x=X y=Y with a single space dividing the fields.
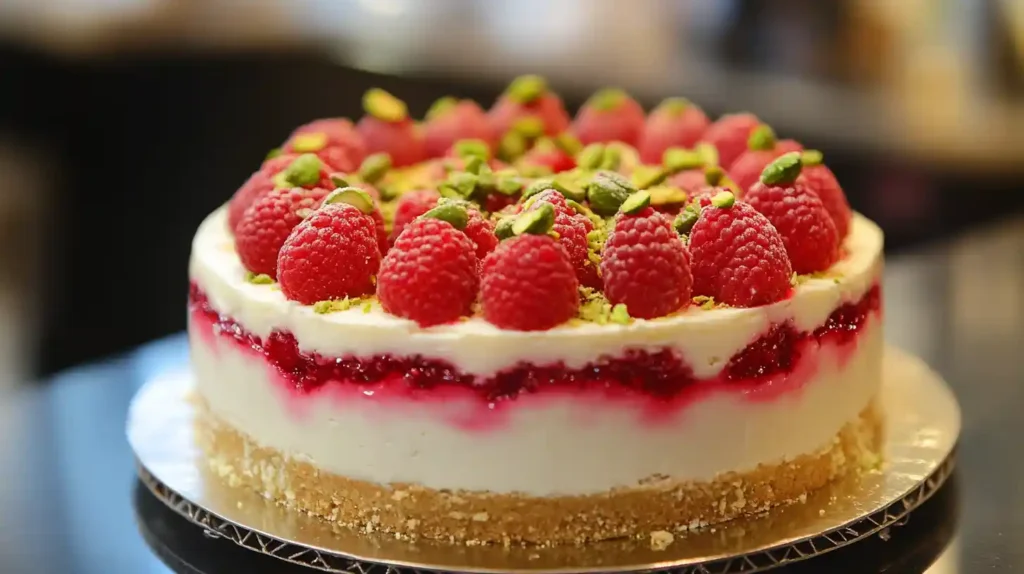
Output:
x=511 y=326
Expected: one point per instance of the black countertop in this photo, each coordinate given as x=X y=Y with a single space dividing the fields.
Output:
x=68 y=496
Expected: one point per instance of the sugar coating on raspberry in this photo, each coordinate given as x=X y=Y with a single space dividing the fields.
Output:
x=645 y=266
x=430 y=275
x=737 y=257
x=267 y=223
x=821 y=180
x=331 y=255
x=528 y=284
x=801 y=219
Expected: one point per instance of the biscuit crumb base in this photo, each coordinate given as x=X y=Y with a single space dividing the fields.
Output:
x=654 y=508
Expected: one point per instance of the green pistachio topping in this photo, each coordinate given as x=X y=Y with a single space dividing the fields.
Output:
x=503 y=229
x=353 y=196
x=607 y=99
x=530 y=127
x=526 y=89
x=335 y=305
x=570 y=187
x=646 y=176
x=707 y=152
x=273 y=153
x=474 y=164
x=612 y=159
x=536 y=222
x=452 y=212
x=258 y=279
x=383 y=106
x=374 y=167
x=723 y=200
x=512 y=146
x=537 y=186
x=591 y=156
x=636 y=203
x=568 y=143
x=784 y=170
x=714 y=175
x=666 y=195
x=472 y=148
x=309 y=142
x=606 y=192
x=442 y=106
x=462 y=184
x=686 y=219
x=762 y=138
x=812 y=157
x=508 y=184
x=303 y=170
x=340 y=180
x=677 y=159
x=673 y=106
x=620 y=315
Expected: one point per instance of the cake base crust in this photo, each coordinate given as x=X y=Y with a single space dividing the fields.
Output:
x=412 y=511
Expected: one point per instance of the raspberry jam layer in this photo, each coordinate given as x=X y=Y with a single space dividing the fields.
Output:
x=763 y=369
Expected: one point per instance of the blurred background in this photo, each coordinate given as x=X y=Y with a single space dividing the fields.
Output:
x=124 y=122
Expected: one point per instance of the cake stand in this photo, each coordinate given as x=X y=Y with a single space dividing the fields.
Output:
x=923 y=422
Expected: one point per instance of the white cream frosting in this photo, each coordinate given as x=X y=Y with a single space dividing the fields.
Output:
x=706 y=338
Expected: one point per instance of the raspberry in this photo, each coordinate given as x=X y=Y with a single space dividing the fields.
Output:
x=387 y=128
x=528 y=284
x=528 y=96
x=412 y=205
x=609 y=115
x=548 y=154
x=736 y=256
x=675 y=122
x=572 y=229
x=332 y=254
x=450 y=120
x=645 y=265
x=258 y=185
x=762 y=150
x=262 y=181
x=820 y=179
x=796 y=212
x=481 y=232
x=334 y=140
x=267 y=223
x=430 y=275
x=729 y=135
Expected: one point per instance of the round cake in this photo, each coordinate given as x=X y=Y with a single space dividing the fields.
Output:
x=510 y=326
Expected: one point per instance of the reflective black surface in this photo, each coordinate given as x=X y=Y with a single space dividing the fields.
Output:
x=68 y=497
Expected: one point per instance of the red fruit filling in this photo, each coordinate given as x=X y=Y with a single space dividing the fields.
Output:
x=659 y=375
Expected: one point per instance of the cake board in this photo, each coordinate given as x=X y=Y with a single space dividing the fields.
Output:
x=923 y=422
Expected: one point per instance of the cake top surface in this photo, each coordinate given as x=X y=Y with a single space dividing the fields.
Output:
x=520 y=218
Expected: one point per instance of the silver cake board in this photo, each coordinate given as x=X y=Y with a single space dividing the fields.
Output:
x=922 y=426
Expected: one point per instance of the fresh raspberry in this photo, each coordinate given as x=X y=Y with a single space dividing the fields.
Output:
x=820 y=179
x=548 y=154
x=332 y=254
x=609 y=115
x=258 y=185
x=572 y=229
x=796 y=212
x=410 y=206
x=729 y=135
x=430 y=275
x=736 y=256
x=496 y=202
x=762 y=149
x=450 y=120
x=528 y=96
x=528 y=284
x=387 y=128
x=675 y=122
x=645 y=266
x=334 y=140
x=268 y=221
x=481 y=232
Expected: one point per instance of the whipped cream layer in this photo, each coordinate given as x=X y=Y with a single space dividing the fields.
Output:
x=547 y=444
x=706 y=338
